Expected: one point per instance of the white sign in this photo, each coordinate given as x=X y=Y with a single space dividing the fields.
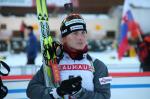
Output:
x=59 y=3
x=30 y=3
x=18 y=3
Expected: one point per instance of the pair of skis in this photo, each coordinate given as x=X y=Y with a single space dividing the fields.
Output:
x=48 y=47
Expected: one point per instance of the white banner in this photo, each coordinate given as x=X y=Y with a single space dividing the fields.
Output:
x=59 y=3
x=17 y=3
x=30 y=3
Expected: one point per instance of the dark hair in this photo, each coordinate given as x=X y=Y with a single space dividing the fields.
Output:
x=30 y=28
x=73 y=16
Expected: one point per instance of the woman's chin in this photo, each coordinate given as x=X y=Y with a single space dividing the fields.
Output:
x=80 y=48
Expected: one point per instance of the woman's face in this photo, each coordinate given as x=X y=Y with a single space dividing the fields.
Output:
x=76 y=40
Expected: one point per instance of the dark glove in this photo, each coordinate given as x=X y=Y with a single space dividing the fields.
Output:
x=3 y=90
x=69 y=86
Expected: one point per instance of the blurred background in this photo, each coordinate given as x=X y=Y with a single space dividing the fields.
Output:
x=105 y=21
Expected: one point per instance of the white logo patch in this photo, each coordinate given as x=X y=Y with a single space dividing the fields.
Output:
x=74 y=21
x=105 y=80
x=76 y=27
x=64 y=31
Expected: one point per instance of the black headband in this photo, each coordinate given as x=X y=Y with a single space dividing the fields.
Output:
x=72 y=26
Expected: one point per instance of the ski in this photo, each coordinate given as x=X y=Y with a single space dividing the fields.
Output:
x=49 y=58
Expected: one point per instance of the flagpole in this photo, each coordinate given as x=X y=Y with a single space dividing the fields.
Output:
x=139 y=35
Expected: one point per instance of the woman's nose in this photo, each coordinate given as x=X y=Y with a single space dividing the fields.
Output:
x=80 y=36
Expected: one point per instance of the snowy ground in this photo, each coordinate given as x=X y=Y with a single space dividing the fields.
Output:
x=121 y=88
x=127 y=64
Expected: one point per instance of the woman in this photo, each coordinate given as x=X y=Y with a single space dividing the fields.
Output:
x=82 y=77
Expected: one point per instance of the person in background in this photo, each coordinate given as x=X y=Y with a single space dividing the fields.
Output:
x=82 y=76
x=22 y=29
x=31 y=48
x=143 y=52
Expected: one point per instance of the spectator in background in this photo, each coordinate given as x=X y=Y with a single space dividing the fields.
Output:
x=143 y=51
x=22 y=28
x=31 y=47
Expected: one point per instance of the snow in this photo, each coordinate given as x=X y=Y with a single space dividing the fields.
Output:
x=17 y=62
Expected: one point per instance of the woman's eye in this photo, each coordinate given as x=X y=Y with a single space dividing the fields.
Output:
x=83 y=32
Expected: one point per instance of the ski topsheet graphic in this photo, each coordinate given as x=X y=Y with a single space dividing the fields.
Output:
x=48 y=47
